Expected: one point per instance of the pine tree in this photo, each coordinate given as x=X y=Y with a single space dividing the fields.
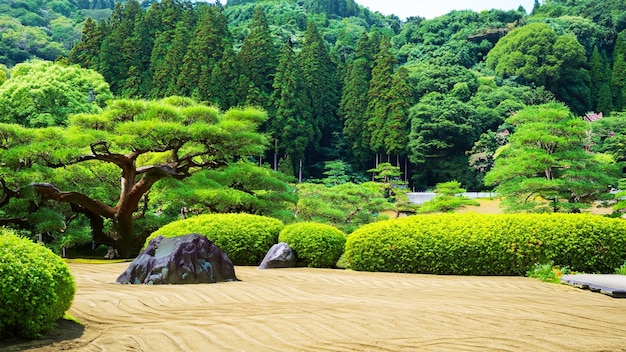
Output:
x=258 y=58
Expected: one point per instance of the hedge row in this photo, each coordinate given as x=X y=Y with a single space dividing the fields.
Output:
x=245 y=238
x=482 y=244
x=36 y=287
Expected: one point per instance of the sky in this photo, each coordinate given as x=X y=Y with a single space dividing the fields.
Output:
x=433 y=8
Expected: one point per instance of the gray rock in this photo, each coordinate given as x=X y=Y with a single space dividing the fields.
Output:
x=186 y=259
x=279 y=256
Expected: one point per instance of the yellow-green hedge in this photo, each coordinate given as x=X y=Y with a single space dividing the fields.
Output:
x=245 y=238
x=316 y=245
x=481 y=244
x=36 y=287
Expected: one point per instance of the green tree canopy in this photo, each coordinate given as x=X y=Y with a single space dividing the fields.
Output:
x=546 y=165
x=144 y=141
x=41 y=93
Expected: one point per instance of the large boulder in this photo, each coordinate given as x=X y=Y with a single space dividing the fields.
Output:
x=188 y=259
x=279 y=256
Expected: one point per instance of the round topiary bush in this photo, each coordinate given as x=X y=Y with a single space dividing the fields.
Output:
x=36 y=287
x=245 y=238
x=316 y=245
x=483 y=244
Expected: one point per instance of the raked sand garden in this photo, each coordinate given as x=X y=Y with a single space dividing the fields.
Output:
x=305 y=309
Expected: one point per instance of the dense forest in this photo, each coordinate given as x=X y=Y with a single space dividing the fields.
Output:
x=338 y=81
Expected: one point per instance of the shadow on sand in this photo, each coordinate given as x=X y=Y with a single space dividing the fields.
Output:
x=65 y=330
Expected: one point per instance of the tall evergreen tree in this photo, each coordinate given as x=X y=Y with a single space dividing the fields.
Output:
x=379 y=96
x=205 y=49
x=618 y=77
x=85 y=53
x=118 y=52
x=600 y=82
x=224 y=81
x=321 y=85
x=353 y=104
x=258 y=58
x=291 y=125
x=398 y=124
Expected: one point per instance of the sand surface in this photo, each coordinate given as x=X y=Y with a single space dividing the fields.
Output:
x=305 y=309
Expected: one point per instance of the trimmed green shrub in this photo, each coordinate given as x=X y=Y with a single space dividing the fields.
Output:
x=245 y=238
x=483 y=244
x=36 y=287
x=316 y=245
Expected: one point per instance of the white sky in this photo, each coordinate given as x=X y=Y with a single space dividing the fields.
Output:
x=433 y=8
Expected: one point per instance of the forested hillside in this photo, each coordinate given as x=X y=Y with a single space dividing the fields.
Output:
x=338 y=81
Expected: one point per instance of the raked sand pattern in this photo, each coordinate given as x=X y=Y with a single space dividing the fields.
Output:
x=304 y=309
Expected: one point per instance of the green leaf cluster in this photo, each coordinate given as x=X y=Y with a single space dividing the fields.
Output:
x=36 y=287
x=316 y=245
x=481 y=244
x=245 y=238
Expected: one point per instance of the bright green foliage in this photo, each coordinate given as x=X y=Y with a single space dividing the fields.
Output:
x=548 y=272
x=245 y=238
x=345 y=206
x=448 y=199
x=238 y=188
x=621 y=270
x=545 y=166
x=42 y=93
x=104 y=165
x=316 y=245
x=336 y=173
x=36 y=287
x=481 y=244
x=537 y=54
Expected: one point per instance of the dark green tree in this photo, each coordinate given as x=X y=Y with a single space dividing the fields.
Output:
x=291 y=126
x=618 y=76
x=210 y=37
x=258 y=58
x=86 y=52
x=321 y=86
x=379 y=97
x=353 y=104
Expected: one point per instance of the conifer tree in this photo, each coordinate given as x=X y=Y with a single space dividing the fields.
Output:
x=224 y=80
x=258 y=58
x=321 y=85
x=600 y=82
x=205 y=49
x=618 y=78
x=353 y=104
x=291 y=125
x=85 y=53
x=398 y=125
x=379 y=96
x=117 y=52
